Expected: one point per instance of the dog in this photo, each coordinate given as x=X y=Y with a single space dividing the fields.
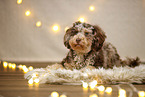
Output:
x=88 y=49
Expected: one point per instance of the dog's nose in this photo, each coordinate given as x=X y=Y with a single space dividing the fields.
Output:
x=78 y=40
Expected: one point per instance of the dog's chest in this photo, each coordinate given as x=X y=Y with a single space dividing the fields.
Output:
x=83 y=60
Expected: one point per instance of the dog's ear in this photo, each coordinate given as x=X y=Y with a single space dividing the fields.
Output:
x=99 y=38
x=67 y=38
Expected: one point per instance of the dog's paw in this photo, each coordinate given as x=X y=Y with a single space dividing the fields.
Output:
x=55 y=66
x=88 y=67
x=68 y=66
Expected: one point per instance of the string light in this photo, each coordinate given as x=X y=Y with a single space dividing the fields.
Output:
x=85 y=85
x=91 y=8
x=30 y=81
x=13 y=66
x=93 y=84
x=141 y=94
x=108 y=90
x=38 y=23
x=25 y=69
x=19 y=1
x=27 y=13
x=122 y=93
x=93 y=95
x=81 y=19
x=101 y=88
x=20 y=66
x=5 y=64
x=10 y=65
x=30 y=68
x=55 y=28
x=34 y=75
x=54 y=94
x=63 y=95
x=36 y=80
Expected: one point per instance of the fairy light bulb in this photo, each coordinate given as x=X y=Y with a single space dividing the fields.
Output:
x=93 y=84
x=93 y=95
x=13 y=66
x=91 y=8
x=10 y=65
x=101 y=88
x=54 y=94
x=25 y=69
x=27 y=13
x=63 y=95
x=38 y=23
x=30 y=81
x=55 y=28
x=81 y=19
x=122 y=93
x=30 y=68
x=19 y=1
x=20 y=66
x=85 y=85
x=36 y=80
x=108 y=90
x=34 y=75
x=5 y=64
x=141 y=94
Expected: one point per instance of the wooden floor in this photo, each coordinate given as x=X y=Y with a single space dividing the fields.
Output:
x=13 y=84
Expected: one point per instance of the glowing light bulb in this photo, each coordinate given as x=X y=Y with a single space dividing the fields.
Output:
x=30 y=81
x=27 y=13
x=5 y=64
x=85 y=85
x=101 y=88
x=10 y=65
x=54 y=94
x=93 y=95
x=30 y=68
x=108 y=90
x=38 y=23
x=20 y=67
x=93 y=84
x=24 y=66
x=122 y=93
x=34 y=75
x=36 y=80
x=19 y=1
x=141 y=94
x=55 y=28
x=13 y=66
x=81 y=19
x=25 y=69
x=91 y=8
x=63 y=95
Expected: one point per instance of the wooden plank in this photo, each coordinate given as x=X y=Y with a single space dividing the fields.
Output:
x=13 y=84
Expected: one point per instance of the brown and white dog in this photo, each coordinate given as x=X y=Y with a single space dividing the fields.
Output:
x=87 y=49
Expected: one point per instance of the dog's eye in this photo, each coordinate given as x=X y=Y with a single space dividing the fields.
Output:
x=86 y=33
x=73 y=31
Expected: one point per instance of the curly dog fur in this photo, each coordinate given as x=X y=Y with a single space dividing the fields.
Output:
x=87 y=49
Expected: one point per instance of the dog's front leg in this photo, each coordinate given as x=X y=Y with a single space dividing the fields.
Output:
x=55 y=66
x=88 y=67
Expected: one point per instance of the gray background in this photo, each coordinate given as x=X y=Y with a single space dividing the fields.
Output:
x=20 y=40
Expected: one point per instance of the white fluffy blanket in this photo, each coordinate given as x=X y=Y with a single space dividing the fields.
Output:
x=108 y=76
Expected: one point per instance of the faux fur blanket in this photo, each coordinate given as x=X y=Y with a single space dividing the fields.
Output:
x=103 y=76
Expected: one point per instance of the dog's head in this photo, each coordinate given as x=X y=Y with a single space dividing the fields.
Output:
x=83 y=37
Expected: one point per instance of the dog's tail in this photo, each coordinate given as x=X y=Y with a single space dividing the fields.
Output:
x=131 y=62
